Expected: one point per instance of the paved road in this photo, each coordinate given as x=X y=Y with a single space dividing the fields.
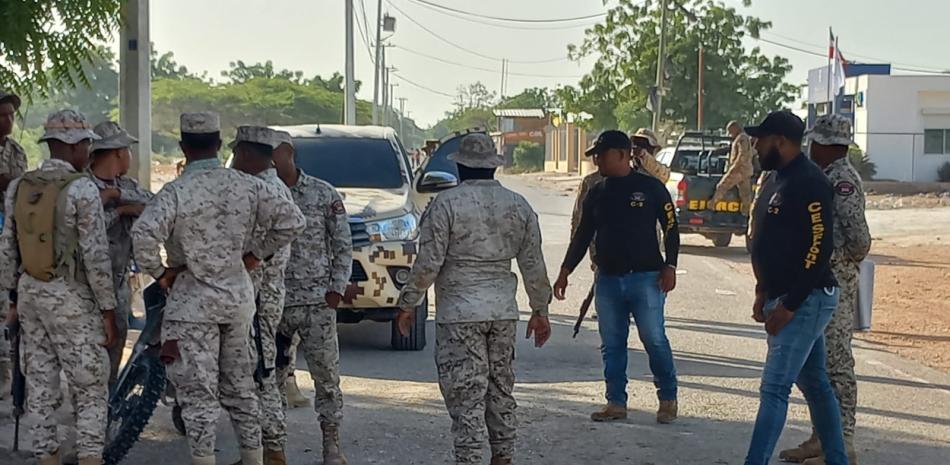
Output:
x=394 y=413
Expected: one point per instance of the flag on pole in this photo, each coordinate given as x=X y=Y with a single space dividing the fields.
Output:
x=840 y=64
x=831 y=44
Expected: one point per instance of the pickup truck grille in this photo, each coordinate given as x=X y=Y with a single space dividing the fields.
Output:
x=358 y=234
x=359 y=274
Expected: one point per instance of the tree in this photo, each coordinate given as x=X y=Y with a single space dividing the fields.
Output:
x=532 y=98
x=473 y=109
x=98 y=99
x=474 y=96
x=44 y=45
x=164 y=66
x=528 y=156
x=738 y=83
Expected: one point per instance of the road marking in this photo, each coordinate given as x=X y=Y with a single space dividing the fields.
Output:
x=725 y=292
x=906 y=375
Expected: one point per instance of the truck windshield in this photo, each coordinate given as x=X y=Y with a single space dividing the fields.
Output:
x=350 y=161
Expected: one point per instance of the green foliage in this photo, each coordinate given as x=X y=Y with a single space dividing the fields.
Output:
x=532 y=98
x=943 y=173
x=473 y=109
x=738 y=83
x=44 y=44
x=529 y=157
x=862 y=163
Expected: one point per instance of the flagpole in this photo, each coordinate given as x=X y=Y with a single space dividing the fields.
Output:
x=830 y=99
x=834 y=100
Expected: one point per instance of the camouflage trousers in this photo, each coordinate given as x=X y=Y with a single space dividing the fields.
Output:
x=838 y=343
x=270 y=392
x=476 y=377
x=738 y=179
x=123 y=299
x=62 y=331
x=214 y=369
x=316 y=326
x=4 y=344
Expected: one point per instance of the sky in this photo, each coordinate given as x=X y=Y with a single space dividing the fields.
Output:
x=308 y=35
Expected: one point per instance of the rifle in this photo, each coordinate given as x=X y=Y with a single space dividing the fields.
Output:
x=18 y=384
x=585 y=307
x=261 y=372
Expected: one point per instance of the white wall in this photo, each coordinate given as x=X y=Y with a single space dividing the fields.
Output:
x=891 y=123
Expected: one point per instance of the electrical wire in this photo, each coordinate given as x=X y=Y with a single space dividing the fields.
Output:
x=825 y=55
x=512 y=20
x=420 y=86
x=364 y=31
x=489 y=70
x=507 y=26
x=896 y=65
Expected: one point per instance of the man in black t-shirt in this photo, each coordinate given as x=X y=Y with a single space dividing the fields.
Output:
x=633 y=276
x=796 y=292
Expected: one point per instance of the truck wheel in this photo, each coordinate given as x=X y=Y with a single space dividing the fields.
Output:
x=722 y=240
x=417 y=334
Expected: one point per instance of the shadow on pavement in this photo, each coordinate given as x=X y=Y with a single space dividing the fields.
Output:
x=734 y=253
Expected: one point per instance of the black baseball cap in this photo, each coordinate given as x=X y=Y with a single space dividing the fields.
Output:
x=779 y=123
x=607 y=140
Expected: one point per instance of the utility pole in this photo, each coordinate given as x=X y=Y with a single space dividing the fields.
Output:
x=402 y=116
x=384 y=103
x=349 y=105
x=699 y=92
x=660 y=65
x=504 y=70
x=135 y=84
x=379 y=52
x=392 y=99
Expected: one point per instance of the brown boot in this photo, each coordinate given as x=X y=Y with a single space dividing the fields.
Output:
x=809 y=449
x=501 y=461
x=332 y=455
x=90 y=461
x=295 y=398
x=610 y=412
x=667 y=412
x=274 y=457
x=50 y=459
x=849 y=449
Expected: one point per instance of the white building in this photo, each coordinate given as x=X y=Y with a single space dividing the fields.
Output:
x=903 y=123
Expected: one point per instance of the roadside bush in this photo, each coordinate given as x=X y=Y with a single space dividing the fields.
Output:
x=862 y=162
x=528 y=157
x=943 y=173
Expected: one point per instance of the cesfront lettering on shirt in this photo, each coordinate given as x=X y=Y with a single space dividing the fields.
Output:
x=670 y=216
x=817 y=233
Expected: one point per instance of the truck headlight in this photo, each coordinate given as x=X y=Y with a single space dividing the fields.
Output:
x=393 y=229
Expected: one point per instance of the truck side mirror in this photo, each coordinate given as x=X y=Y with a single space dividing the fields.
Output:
x=436 y=181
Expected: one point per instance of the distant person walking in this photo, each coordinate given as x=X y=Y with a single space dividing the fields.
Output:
x=633 y=277
x=830 y=139
x=740 y=170
x=796 y=292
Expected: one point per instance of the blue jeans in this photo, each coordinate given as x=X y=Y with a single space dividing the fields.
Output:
x=797 y=355
x=639 y=295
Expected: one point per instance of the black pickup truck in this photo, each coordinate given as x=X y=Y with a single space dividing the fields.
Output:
x=697 y=163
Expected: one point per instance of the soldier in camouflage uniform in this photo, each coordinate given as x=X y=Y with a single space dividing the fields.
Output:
x=123 y=201
x=66 y=322
x=740 y=170
x=206 y=220
x=830 y=139
x=12 y=166
x=468 y=237
x=645 y=148
x=253 y=154
x=321 y=261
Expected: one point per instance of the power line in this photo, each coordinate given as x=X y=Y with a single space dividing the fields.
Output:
x=420 y=86
x=464 y=49
x=364 y=31
x=508 y=26
x=897 y=65
x=489 y=70
x=512 y=20
x=825 y=55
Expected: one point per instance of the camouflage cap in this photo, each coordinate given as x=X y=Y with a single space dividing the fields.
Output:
x=9 y=96
x=255 y=134
x=68 y=126
x=283 y=137
x=831 y=130
x=112 y=137
x=204 y=122
x=644 y=133
x=477 y=151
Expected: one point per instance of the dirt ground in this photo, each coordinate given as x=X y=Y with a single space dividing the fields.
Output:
x=912 y=302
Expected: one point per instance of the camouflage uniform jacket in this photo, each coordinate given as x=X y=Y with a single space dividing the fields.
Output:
x=12 y=161
x=741 y=155
x=321 y=259
x=84 y=214
x=271 y=271
x=852 y=237
x=468 y=237
x=649 y=165
x=586 y=184
x=206 y=220
x=119 y=227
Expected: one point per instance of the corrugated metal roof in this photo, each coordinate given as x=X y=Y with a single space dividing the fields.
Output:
x=519 y=113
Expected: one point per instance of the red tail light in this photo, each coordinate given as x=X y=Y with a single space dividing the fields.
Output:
x=681 y=199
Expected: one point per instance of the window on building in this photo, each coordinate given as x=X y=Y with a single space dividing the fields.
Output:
x=937 y=141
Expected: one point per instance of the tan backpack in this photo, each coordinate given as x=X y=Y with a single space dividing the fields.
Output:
x=47 y=248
